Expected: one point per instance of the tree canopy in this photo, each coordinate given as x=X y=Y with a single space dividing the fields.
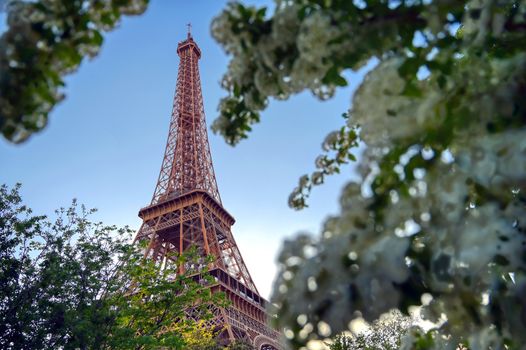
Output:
x=70 y=283
x=436 y=218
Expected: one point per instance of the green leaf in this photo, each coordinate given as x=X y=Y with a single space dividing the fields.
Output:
x=333 y=77
x=412 y=90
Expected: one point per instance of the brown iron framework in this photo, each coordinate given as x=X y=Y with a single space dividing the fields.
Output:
x=186 y=210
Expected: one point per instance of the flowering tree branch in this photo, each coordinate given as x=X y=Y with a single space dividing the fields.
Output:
x=435 y=214
x=45 y=41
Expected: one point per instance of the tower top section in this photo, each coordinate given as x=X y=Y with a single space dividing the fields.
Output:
x=187 y=163
x=189 y=44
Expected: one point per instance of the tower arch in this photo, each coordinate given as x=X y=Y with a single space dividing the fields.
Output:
x=262 y=342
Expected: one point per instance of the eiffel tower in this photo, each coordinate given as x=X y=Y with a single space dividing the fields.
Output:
x=186 y=211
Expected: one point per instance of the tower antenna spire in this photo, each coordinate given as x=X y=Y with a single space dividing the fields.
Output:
x=189 y=25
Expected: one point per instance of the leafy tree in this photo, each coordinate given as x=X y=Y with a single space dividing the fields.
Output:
x=198 y=337
x=46 y=40
x=436 y=218
x=70 y=283
x=160 y=307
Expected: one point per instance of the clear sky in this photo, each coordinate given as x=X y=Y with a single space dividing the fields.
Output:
x=104 y=144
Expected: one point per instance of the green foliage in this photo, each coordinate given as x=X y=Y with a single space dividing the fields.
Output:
x=338 y=147
x=46 y=40
x=196 y=335
x=53 y=276
x=70 y=283
x=159 y=307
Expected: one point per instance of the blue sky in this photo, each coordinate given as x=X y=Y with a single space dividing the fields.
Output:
x=104 y=144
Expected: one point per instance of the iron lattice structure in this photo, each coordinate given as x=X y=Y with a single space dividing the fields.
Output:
x=186 y=211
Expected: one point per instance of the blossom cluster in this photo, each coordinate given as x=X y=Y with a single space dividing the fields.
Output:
x=436 y=218
x=46 y=40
